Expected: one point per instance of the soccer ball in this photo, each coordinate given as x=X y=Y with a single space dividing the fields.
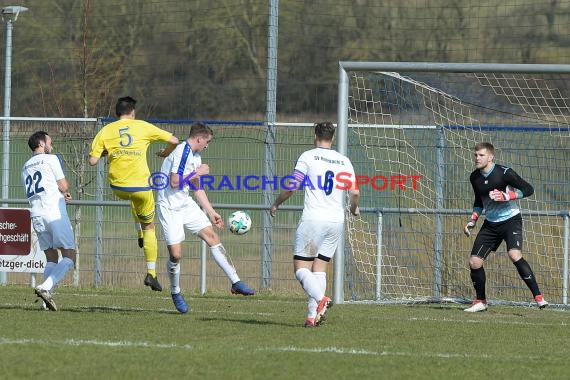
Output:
x=239 y=222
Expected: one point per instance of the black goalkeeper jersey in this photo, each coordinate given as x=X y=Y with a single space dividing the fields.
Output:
x=501 y=178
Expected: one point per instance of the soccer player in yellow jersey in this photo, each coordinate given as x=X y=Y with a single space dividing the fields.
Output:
x=125 y=141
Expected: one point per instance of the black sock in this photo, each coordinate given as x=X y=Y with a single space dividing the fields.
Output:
x=527 y=276
x=478 y=278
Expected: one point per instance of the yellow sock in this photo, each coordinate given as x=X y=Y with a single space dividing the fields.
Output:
x=150 y=250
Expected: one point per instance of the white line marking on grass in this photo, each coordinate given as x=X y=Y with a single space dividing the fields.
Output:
x=76 y=342
x=355 y=351
x=334 y=350
x=486 y=321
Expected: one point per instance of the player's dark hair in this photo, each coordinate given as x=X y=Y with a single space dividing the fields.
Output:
x=200 y=129
x=324 y=131
x=125 y=105
x=485 y=145
x=36 y=138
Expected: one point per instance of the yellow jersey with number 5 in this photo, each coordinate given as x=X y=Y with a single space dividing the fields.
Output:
x=126 y=141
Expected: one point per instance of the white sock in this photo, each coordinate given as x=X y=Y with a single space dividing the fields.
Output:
x=173 y=270
x=219 y=253
x=310 y=284
x=322 y=278
x=49 y=268
x=57 y=273
x=322 y=281
x=47 y=271
x=312 y=308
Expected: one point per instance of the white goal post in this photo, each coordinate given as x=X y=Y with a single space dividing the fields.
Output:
x=406 y=118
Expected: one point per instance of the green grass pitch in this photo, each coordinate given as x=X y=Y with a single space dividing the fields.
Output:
x=125 y=334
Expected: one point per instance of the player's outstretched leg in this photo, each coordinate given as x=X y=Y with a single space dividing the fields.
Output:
x=222 y=259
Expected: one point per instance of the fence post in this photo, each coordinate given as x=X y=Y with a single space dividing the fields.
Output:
x=342 y=146
x=269 y=153
x=203 y=274
x=439 y=204
x=379 y=225
x=98 y=219
x=565 y=264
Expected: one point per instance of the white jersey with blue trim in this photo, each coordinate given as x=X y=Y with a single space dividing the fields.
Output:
x=318 y=172
x=182 y=161
x=39 y=177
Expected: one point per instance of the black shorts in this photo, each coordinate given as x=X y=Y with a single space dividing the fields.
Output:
x=492 y=235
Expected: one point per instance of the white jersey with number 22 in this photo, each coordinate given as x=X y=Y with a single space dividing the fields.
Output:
x=39 y=177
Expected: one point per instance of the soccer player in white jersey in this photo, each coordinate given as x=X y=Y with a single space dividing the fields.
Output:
x=318 y=171
x=177 y=211
x=47 y=191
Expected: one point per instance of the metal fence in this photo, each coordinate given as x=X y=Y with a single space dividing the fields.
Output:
x=107 y=242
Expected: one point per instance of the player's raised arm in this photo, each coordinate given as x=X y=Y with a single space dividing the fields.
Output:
x=97 y=150
x=172 y=144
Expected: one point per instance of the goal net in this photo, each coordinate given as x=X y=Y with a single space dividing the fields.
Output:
x=409 y=246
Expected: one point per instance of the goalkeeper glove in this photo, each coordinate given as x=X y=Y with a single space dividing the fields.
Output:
x=502 y=196
x=471 y=224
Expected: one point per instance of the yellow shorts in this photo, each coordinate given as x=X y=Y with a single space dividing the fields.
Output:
x=142 y=204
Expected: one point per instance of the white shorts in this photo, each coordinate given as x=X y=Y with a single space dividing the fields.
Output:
x=56 y=233
x=174 y=222
x=315 y=237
